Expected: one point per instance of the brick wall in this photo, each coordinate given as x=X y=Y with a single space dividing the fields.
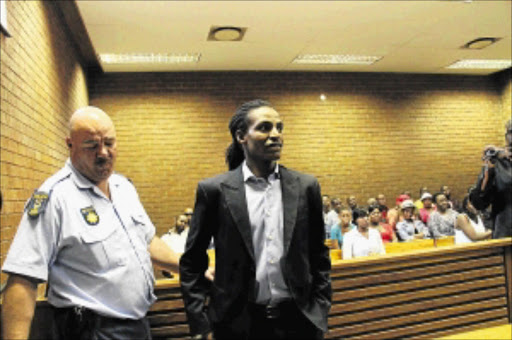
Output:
x=42 y=83
x=374 y=132
x=503 y=82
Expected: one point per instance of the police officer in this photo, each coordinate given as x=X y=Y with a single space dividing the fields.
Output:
x=86 y=233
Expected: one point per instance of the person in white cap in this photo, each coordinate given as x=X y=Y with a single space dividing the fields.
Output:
x=428 y=207
x=410 y=228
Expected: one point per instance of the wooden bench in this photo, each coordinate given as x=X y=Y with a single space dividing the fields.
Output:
x=167 y=316
x=422 y=294
x=401 y=247
x=425 y=293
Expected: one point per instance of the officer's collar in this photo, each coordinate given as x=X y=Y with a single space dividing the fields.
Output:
x=80 y=180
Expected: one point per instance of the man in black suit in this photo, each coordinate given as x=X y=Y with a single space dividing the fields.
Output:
x=271 y=264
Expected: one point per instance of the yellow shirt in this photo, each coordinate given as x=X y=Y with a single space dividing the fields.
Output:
x=419 y=204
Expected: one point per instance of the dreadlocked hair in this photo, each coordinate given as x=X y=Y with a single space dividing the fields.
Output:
x=234 y=153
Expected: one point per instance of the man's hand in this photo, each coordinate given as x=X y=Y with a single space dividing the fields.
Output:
x=208 y=336
x=210 y=273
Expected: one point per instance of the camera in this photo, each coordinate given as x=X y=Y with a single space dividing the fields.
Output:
x=491 y=154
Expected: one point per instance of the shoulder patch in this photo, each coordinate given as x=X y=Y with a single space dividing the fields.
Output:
x=37 y=204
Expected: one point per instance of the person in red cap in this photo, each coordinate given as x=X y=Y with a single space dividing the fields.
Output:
x=393 y=215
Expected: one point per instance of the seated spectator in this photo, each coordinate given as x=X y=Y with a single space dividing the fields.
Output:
x=326 y=207
x=419 y=202
x=410 y=228
x=352 y=204
x=485 y=214
x=332 y=216
x=340 y=229
x=176 y=237
x=428 y=207
x=174 y=240
x=188 y=212
x=375 y=218
x=442 y=221
x=394 y=215
x=381 y=200
x=362 y=241
x=469 y=226
x=445 y=190
x=371 y=201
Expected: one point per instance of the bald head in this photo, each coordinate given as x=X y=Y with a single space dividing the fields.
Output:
x=89 y=116
x=92 y=143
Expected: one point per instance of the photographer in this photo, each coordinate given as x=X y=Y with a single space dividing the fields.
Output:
x=494 y=186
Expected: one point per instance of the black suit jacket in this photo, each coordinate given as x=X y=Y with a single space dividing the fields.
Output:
x=221 y=211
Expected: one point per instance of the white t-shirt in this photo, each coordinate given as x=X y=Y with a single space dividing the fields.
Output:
x=461 y=237
x=356 y=245
x=176 y=241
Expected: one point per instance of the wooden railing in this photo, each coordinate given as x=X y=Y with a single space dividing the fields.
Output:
x=424 y=293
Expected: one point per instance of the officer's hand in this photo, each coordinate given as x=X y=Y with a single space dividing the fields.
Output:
x=488 y=164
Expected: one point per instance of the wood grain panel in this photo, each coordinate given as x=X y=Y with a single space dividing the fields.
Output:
x=498 y=304
x=417 y=306
x=416 y=284
x=167 y=305
x=177 y=330
x=171 y=317
x=351 y=268
x=426 y=293
x=384 y=277
x=433 y=326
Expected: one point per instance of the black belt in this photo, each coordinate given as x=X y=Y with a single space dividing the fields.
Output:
x=82 y=323
x=82 y=313
x=274 y=310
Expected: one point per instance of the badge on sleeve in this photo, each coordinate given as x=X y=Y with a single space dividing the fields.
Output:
x=90 y=215
x=37 y=204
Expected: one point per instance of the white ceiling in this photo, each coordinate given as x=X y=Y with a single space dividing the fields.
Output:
x=412 y=36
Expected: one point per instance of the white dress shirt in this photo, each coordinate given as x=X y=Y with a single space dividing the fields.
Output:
x=265 y=206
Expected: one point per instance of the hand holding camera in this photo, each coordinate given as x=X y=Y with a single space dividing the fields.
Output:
x=491 y=153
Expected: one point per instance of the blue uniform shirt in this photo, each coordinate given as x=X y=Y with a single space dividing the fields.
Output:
x=93 y=251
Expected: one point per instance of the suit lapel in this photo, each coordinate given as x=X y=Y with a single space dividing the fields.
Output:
x=234 y=192
x=290 y=189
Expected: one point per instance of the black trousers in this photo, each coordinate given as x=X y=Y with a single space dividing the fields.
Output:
x=284 y=322
x=83 y=324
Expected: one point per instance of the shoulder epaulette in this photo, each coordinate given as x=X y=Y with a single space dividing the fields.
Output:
x=39 y=200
